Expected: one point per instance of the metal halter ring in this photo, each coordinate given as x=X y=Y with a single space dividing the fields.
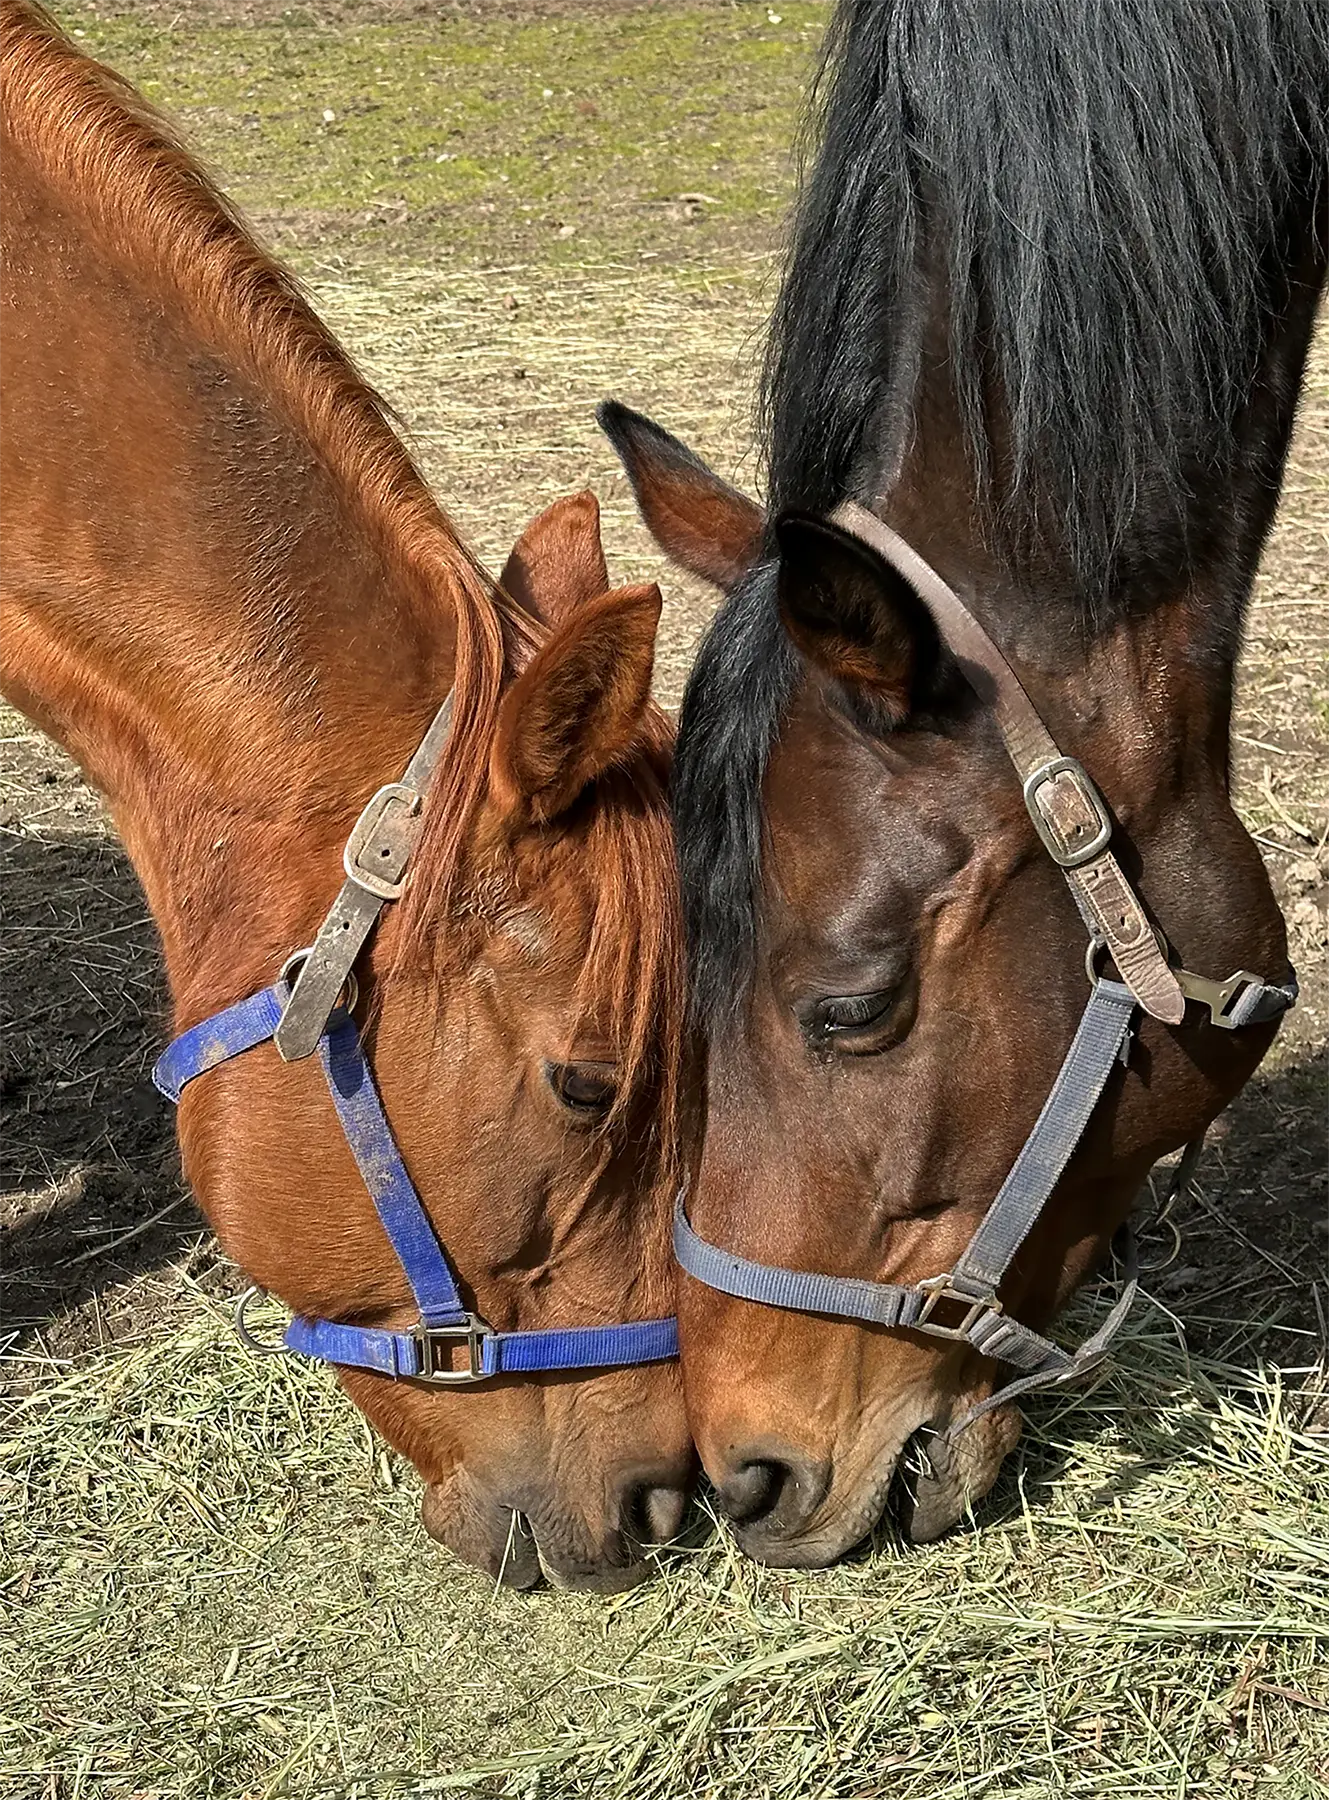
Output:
x=1096 y=953
x=258 y=1345
x=348 y=995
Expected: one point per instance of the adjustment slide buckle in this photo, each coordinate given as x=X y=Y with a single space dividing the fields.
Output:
x=436 y=1344
x=943 y=1287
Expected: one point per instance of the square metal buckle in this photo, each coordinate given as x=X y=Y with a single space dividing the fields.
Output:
x=437 y=1343
x=942 y=1287
x=379 y=839
x=1098 y=841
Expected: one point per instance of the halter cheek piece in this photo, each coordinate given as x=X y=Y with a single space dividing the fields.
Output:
x=1075 y=828
x=449 y=1345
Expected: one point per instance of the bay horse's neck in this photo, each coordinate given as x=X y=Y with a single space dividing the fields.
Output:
x=197 y=606
x=1175 y=599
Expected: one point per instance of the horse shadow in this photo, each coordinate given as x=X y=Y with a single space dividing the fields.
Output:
x=91 y=1197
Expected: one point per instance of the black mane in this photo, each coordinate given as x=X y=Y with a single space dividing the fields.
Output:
x=1112 y=189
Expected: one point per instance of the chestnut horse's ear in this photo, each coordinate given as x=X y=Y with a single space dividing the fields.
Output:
x=575 y=709
x=557 y=564
x=698 y=520
x=855 y=615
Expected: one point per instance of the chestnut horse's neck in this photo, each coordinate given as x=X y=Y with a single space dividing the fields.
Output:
x=227 y=592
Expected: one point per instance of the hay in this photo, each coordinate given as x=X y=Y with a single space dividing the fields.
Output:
x=214 y=1582
x=215 y=1585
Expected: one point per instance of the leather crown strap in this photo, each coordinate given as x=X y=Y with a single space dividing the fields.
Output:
x=449 y=1345
x=1075 y=828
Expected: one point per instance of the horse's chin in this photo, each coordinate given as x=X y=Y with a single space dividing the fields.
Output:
x=520 y=1546
x=940 y=1479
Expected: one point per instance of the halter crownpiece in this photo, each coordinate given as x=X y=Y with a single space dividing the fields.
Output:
x=312 y=1010
x=1075 y=828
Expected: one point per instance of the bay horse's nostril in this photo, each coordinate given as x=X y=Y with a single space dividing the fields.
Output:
x=751 y=1491
x=780 y=1493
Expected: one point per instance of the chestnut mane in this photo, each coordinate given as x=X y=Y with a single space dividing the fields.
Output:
x=123 y=172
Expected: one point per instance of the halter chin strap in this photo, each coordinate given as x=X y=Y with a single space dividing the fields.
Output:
x=449 y=1345
x=1075 y=827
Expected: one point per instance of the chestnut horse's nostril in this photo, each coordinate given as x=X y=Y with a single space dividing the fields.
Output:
x=779 y=1493
x=661 y=1509
x=652 y=1509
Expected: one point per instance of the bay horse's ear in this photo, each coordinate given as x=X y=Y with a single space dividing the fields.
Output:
x=558 y=564
x=855 y=615
x=698 y=520
x=575 y=709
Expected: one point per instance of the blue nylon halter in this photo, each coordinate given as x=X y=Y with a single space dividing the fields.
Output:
x=426 y=1351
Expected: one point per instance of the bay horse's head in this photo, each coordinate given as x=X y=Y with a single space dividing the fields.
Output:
x=229 y=593
x=888 y=970
x=1050 y=293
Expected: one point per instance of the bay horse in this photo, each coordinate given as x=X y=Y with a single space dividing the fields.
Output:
x=1028 y=397
x=230 y=596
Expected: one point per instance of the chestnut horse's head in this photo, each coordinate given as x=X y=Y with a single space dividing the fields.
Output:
x=231 y=596
x=521 y=1017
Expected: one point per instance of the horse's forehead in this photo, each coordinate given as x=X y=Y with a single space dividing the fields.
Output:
x=857 y=827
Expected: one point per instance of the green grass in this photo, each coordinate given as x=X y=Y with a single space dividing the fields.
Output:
x=215 y=1585
x=575 y=134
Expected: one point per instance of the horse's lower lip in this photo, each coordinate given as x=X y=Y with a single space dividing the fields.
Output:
x=829 y=1540
x=923 y=1501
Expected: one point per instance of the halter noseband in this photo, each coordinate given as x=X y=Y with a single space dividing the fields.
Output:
x=314 y=1012
x=1075 y=828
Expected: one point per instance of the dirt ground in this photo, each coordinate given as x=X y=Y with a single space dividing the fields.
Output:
x=496 y=355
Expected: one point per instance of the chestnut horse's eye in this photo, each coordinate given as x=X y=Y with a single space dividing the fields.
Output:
x=587 y=1088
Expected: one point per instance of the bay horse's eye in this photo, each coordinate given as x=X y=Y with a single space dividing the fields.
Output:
x=860 y=1024
x=854 y=1012
x=587 y=1088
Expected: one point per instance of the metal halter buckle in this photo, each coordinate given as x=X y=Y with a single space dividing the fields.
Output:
x=942 y=1287
x=436 y=1344
x=244 y=1331
x=348 y=997
x=1218 y=996
x=1079 y=854
x=377 y=836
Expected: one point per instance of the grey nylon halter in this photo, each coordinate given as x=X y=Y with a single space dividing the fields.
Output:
x=1074 y=826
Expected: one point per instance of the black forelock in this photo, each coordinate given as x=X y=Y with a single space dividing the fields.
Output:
x=735 y=700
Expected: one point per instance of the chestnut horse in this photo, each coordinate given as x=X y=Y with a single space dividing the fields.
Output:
x=1029 y=395
x=229 y=595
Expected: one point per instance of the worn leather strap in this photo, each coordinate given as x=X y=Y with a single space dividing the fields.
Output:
x=376 y=857
x=1064 y=812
